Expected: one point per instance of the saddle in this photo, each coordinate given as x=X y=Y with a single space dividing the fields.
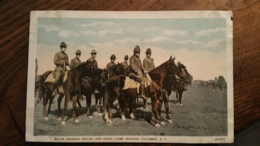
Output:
x=51 y=79
x=130 y=83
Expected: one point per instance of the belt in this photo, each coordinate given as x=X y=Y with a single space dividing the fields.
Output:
x=59 y=65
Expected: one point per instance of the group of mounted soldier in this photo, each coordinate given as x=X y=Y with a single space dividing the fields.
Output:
x=136 y=68
x=155 y=83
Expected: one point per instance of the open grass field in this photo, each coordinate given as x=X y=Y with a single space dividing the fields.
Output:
x=203 y=113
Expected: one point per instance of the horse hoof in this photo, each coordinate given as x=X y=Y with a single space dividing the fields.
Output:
x=90 y=116
x=46 y=118
x=76 y=121
x=109 y=121
x=63 y=123
x=100 y=114
x=181 y=104
x=170 y=121
x=157 y=125
x=123 y=118
x=162 y=123
x=132 y=116
x=59 y=119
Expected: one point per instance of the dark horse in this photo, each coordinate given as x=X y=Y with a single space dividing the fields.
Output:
x=71 y=87
x=180 y=85
x=161 y=76
x=128 y=97
x=94 y=85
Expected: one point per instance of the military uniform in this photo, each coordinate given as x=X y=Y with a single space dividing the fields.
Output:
x=108 y=67
x=148 y=64
x=61 y=60
x=74 y=62
x=136 y=68
x=125 y=67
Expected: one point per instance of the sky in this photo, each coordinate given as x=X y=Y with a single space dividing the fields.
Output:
x=200 y=44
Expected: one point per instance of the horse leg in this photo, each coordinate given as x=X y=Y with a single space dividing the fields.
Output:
x=74 y=105
x=79 y=101
x=88 y=103
x=178 y=97
x=180 y=94
x=155 y=118
x=122 y=111
x=45 y=102
x=59 y=108
x=49 y=107
x=132 y=106
x=67 y=98
x=97 y=105
x=166 y=105
x=100 y=103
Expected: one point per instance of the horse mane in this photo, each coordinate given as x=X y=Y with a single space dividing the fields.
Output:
x=159 y=69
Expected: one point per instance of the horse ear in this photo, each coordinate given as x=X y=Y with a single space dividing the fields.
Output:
x=173 y=59
x=170 y=58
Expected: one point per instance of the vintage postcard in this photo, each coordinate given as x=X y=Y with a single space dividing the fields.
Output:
x=120 y=76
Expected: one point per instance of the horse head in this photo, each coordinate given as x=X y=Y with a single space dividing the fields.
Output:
x=104 y=74
x=89 y=68
x=119 y=69
x=172 y=67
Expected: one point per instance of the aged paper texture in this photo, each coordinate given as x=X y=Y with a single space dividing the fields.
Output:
x=188 y=56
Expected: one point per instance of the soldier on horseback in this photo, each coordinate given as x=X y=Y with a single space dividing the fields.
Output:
x=125 y=65
x=61 y=61
x=75 y=61
x=137 y=71
x=110 y=64
x=93 y=60
x=148 y=61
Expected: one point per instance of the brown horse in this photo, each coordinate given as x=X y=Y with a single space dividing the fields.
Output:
x=114 y=88
x=94 y=85
x=161 y=76
x=180 y=84
x=70 y=86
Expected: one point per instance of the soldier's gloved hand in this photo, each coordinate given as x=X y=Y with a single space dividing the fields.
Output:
x=139 y=72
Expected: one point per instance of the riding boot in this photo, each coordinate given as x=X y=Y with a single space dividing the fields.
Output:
x=141 y=92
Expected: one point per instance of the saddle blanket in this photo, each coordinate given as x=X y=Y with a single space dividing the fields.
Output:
x=51 y=78
x=132 y=84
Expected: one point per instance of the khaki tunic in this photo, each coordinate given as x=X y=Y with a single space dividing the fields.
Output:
x=108 y=68
x=125 y=67
x=94 y=62
x=74 y=62
x=61 y=60
x=136 y=66
x=148 y=64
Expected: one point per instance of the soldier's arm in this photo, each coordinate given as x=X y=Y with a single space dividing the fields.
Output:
x=57 y=61
x=133 y=66
x=107 y=67
x=145 y=64
x=72 y=64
